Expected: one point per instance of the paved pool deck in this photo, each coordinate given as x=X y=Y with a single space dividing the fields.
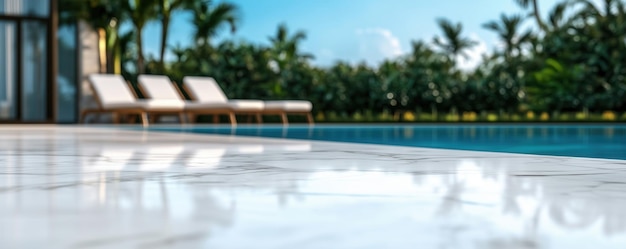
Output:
x=89 y=187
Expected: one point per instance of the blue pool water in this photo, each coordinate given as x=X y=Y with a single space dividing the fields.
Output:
x=596 y=141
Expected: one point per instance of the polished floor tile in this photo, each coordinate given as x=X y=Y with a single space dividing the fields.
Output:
x=80 y=187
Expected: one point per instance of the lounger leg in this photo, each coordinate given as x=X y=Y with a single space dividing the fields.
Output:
x=283 y=117
x=232 y=118
x=259 y=118
x=191 y=118
x=83 y=115
x=309 y=118
x=116 y=118
x=144 y=119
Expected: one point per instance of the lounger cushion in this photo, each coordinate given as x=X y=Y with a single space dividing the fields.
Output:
x=123 y=106
x=206 y=105
x=112 y=90
x=289 y=105
x=163 y=104
x=158 y=87
x=204 y=89
x=148 y=105
x=246 y=105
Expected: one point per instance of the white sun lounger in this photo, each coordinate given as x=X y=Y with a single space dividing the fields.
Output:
x=205 y=89
x=160 y=87
x=202 y=91
x=114 y=95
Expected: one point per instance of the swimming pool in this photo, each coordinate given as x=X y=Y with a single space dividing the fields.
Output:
x=595 y=141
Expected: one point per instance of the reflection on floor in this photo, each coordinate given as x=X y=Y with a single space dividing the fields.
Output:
x=78 y=187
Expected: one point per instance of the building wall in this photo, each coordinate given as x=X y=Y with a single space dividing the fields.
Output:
x=89 y=63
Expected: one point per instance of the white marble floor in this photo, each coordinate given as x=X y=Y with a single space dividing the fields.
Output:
x=81 y=187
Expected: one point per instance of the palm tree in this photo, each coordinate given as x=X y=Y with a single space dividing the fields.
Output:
x=285 y=46
x=209 y=20
x=179 y=52
x=167 y=7
x=536 y=13
x=508 y=30
x=556 y=17
x=141 y=12
x=612 y=9
x=454 y=44
x=285 y=59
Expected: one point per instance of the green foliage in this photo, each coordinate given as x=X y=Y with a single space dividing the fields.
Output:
x=453 y=44
x=209 y=19
x=557 y=88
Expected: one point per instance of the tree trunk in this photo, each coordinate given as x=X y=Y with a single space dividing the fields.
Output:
x=110 y=50
x=111 y=43
x=164 y=34
x=117 y=58
x=537 y=15
x=140 y=67
x=116 y=54
x=102 y=51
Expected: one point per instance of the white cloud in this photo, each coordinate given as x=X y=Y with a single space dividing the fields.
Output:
x=377 y=44
x=474 y=55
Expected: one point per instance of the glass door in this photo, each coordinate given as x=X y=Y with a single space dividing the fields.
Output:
x=34 y=99
x=26 y=84
x=8 y=71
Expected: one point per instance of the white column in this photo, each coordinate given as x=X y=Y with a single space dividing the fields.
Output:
x=89 y=61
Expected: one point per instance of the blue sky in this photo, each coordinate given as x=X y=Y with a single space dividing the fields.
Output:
x=354 y=30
